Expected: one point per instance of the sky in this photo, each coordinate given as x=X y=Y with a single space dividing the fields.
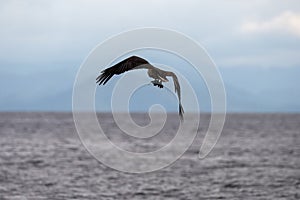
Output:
x=255 y=44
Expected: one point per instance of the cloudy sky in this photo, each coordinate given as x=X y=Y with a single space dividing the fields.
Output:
x=255 y=44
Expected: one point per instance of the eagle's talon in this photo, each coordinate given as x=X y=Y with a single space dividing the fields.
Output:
x=157 y=83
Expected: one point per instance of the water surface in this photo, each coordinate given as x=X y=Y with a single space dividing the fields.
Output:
x=257 y=157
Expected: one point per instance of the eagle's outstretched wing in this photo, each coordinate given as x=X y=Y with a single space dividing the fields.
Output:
x=177 y=90
x=121 y=67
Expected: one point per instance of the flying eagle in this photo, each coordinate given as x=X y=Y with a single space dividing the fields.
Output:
x=135 y=62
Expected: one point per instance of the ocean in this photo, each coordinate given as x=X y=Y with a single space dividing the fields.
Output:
x=256 y=157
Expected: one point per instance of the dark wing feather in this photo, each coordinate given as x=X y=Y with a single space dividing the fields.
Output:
x=177 y=90
x=119 y=68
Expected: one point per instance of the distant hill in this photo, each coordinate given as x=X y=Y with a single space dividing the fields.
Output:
x=248 y=90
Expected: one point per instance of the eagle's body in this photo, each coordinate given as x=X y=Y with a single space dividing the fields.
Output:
x=157 y=74
x=135 y=62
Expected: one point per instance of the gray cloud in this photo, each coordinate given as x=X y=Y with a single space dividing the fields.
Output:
x=60 y=31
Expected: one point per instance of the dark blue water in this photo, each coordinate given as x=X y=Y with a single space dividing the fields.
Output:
x=257 y=157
